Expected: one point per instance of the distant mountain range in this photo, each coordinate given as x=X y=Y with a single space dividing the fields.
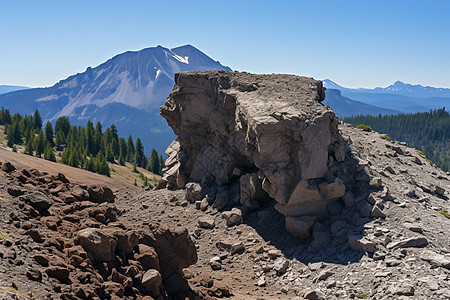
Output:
x=127 y=91
x=398 y=97
x=11 y=88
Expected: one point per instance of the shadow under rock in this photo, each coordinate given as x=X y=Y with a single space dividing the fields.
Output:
x=334 y=233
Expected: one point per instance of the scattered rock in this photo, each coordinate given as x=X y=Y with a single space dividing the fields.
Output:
x=436 y=259
x=359 y=243
x=207 y=222
x=233 y=217
x=417 y=242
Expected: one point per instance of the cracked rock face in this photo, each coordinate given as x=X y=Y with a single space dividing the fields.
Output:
x=255 y=137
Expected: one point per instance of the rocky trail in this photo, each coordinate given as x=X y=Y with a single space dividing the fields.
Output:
x=374 y=228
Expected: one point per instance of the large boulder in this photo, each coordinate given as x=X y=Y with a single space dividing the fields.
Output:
x=255 y=137
x=99 y=243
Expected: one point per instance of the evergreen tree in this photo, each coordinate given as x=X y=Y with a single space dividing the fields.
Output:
x=98 y=127
x=123 y=147
x=426 y=131
x=40 y=144
x=49 y=153
x=29 y=147
x=90 y=142
x=161 y=164
x=140 y=158
x=49 y=133
x=130 y=149
x=62 y=124
x=153 y=163
x=121 y=159
x=109 y=153
x=60 y=139
x=37 y=120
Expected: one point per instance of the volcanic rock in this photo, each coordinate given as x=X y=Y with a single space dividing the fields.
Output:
x=267 y=135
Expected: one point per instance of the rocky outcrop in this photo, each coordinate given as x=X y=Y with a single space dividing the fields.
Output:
x=81 y=251
x=244 y=139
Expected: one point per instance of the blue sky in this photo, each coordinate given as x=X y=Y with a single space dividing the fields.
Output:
x=355 y=43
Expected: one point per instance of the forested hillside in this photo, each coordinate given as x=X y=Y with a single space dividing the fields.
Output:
x=427 y=131
x=88 y=147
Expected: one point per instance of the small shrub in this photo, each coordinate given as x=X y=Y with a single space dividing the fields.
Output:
x=14 y=148
x=420 y=152
x=364 y=127
x=385 y=137
x=361 y=296
x=445 y=213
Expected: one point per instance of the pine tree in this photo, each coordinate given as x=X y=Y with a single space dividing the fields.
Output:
x=37 y=120
x=123 y=147
x=121 y=159
x=130 y=149
x=40 y=144
x=140 y=158
x=110 y=154
x=161 y=164
x=49 y=153
x=62 y=124
x=153 y=164
x=49 y=133
x=60 y=139
x=29 y=149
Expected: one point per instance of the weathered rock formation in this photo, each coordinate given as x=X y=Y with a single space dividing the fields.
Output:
x=245 y=138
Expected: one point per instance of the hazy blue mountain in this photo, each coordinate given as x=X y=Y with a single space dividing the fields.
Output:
x=399 y=96
x=127 y=90
x=345 y=107
x=11 y=88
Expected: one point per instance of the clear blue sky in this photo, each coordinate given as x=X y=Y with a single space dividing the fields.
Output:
x=355 y=43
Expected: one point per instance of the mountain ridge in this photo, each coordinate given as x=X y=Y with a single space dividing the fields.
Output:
x=141 y=80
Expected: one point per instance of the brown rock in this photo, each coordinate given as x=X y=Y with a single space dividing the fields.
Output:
x=8 y=167
x=100 y=194
x=100 y=244
x=233 y=217
x=251 y=128
x=60 y=273
x=41 y=259
x=79 y=193
x=151 y=282
x=175 y=248
x=35 y=235
x=147 y=256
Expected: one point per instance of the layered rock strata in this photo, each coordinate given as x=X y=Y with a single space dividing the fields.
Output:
x=246 y=138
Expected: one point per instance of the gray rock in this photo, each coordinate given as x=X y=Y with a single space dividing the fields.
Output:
x=376 y=182
x=360 y=243
x=415 y=242
x=436 y=259
x=207 y=222
x=439 y=190
x=348 y=199
x=193 y=192
x=221 y=200
x=281 y=265
x=215 y=263
x=300 y=226
x=377 y=213
x=233 y=217
x=324 y=274
x=250 y=126
x=314 y=295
